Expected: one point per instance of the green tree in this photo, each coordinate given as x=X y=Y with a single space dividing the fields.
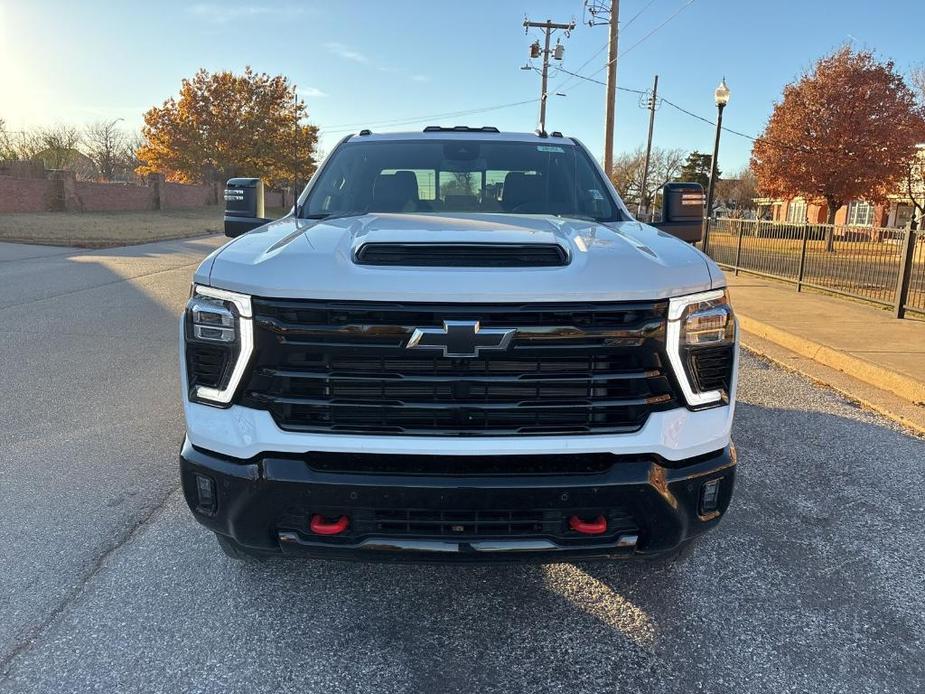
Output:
x=697 y=169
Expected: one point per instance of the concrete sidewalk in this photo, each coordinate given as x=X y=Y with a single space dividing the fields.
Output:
x=862 y=341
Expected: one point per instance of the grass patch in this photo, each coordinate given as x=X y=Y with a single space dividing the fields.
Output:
x=106 y=229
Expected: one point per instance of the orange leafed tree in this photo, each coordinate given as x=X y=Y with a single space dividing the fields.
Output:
x=845 y=131
x=225 y=125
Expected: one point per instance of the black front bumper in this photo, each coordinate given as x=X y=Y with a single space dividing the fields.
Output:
x=652 y=506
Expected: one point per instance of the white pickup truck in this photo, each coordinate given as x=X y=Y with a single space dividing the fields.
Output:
x=458 y=346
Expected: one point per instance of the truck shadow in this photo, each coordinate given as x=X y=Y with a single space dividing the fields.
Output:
x=800 y=562
x=90 y=390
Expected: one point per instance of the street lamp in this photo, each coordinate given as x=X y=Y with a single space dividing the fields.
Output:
x=721 y=97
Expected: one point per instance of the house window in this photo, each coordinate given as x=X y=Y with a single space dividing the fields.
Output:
x=902 y=216
x=796 y=212
x=860 y=214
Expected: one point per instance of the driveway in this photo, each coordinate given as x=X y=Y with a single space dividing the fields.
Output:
x=814 y=582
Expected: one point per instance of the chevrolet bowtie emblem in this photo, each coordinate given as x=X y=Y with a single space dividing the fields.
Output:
x=461 y=338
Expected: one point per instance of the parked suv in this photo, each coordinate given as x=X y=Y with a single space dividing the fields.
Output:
x=458 y=346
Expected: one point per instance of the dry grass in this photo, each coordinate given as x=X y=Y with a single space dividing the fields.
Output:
x=105 y=229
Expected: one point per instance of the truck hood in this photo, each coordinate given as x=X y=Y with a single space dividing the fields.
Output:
x=617 y=261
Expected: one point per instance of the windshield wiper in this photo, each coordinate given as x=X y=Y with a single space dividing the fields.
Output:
x=584 y=217
x=333 y=215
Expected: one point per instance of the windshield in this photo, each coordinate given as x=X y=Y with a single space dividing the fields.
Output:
x=460 y=176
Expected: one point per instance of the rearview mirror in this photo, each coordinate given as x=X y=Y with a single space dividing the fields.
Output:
x=682 y=211
x=244 y=208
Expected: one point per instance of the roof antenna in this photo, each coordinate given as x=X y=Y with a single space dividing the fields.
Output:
x=295 y=160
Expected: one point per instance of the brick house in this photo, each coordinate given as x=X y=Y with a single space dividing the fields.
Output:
x=895 y=213
x=855 y=213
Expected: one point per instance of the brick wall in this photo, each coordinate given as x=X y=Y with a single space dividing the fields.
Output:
x=272 y=198
x=176 y=195
x=27 y=187
x=24 y=194
x=113 y=197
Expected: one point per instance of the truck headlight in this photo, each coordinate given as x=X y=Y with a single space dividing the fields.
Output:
x=219 y=337
x=702 y=346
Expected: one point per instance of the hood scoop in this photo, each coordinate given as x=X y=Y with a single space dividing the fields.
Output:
x=462 y=254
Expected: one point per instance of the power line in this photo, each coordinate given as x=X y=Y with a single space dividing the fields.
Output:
x=675 y=14
x=633 y=18
x=647 y=36
x=407 y=118
x=568 y=82
x=591 y=79
x=349 y=127
x=695 y=115
x=735 y=132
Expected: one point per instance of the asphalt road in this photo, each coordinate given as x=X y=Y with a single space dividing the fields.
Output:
x=814 y=582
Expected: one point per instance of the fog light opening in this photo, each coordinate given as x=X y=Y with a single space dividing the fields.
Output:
x=709 y=496
x=205 y=491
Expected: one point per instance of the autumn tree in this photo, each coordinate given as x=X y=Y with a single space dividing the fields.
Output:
x=844 y=131
x=626 y=174
x=224 y=125
x=697 y=169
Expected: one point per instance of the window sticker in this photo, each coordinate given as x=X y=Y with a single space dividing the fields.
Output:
x=596 y=194
x=550 y=148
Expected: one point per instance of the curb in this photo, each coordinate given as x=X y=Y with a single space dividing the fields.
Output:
x=861 y=369
x=908 y=415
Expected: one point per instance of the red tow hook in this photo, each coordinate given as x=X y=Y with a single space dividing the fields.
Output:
x=595 y=527
x=322 y=526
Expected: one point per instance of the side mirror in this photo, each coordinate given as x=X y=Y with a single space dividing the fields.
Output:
x=243 y=206
x=682 y=211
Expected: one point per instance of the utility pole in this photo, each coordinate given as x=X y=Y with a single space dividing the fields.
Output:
x=535 y=51
x=611 y=16
x=653 y=100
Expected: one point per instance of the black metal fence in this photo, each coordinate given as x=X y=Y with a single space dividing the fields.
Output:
x=881 y=265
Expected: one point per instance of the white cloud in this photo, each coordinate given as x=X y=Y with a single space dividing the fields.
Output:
x=346 y=52
x=420 y=78
x=222 y=14
x=311 y=91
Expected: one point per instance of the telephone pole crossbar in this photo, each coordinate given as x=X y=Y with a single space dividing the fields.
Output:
x=548 y=27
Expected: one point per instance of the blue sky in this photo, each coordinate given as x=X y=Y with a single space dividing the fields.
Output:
x=363 y=62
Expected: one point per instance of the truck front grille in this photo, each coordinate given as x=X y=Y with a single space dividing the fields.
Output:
x=571 y=368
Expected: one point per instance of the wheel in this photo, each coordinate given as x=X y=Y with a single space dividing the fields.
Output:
x=236 y=551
